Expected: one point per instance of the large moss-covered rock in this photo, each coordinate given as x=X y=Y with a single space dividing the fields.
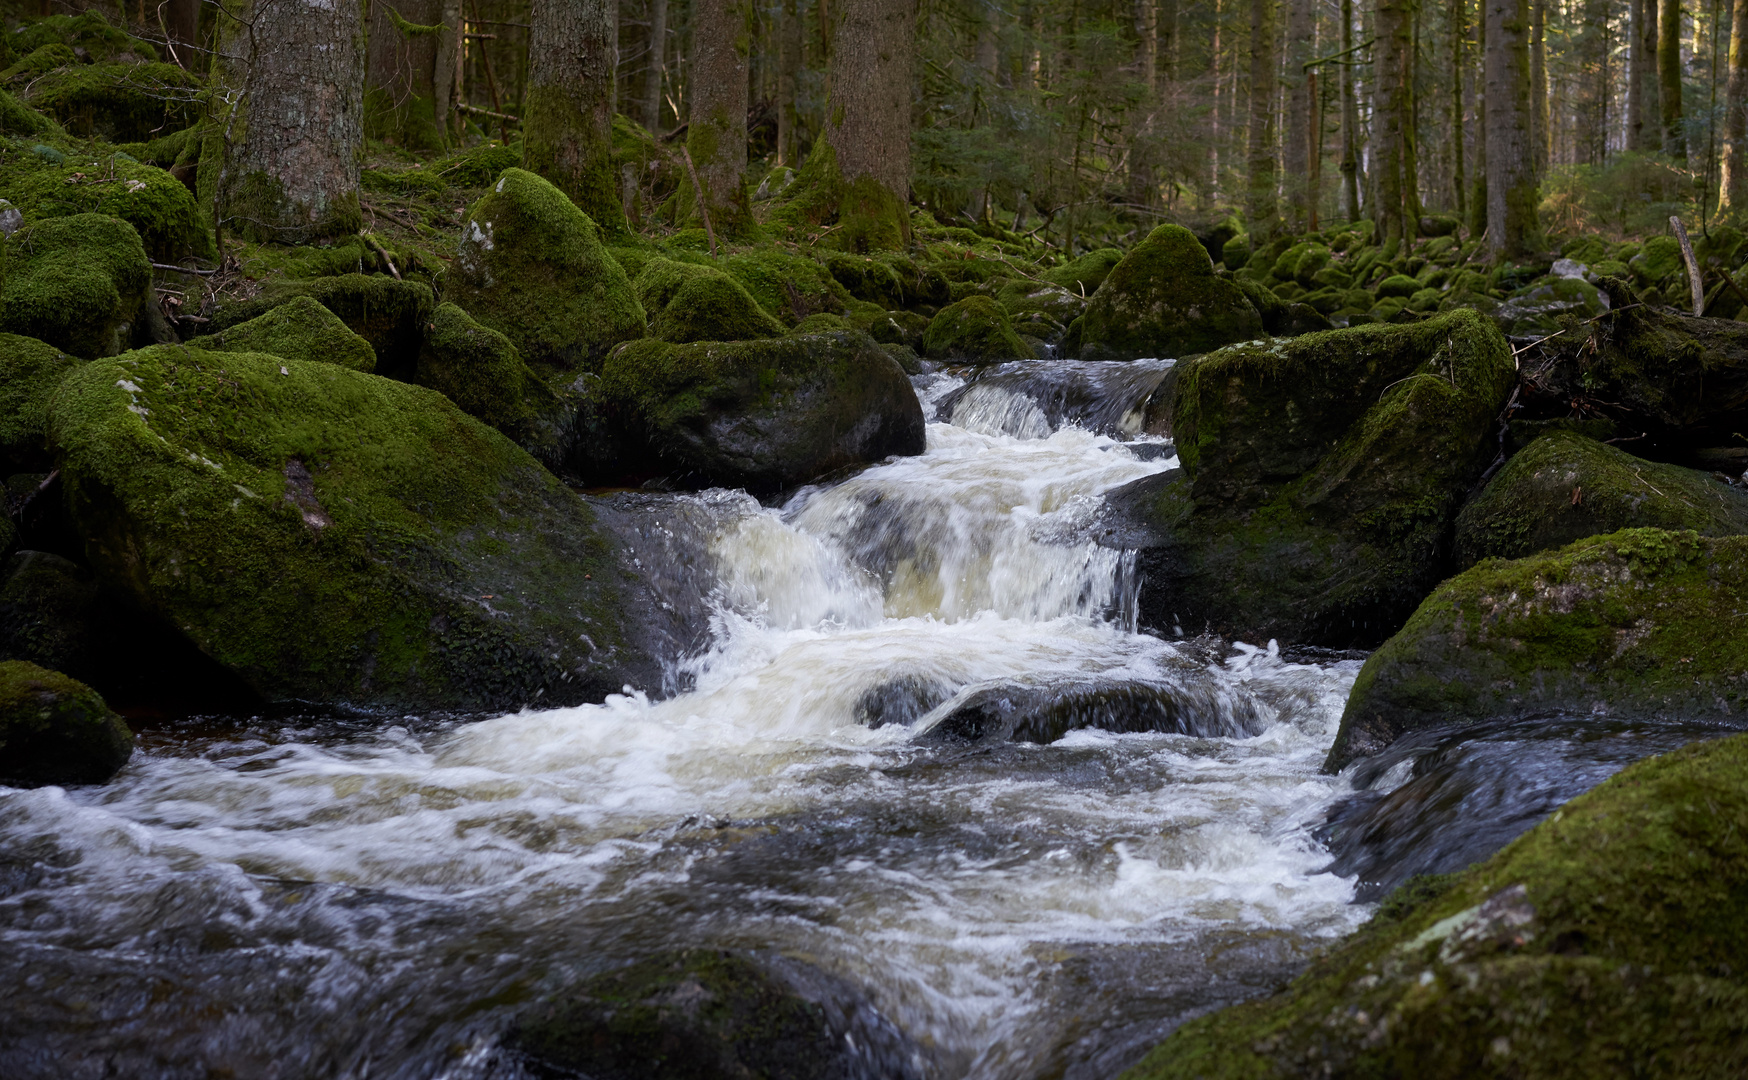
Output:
x=974 y=330
x=1537 y=309
x=685 y=302
x=334 y=536
x=118 y=102
x=30 y=370
x=1564 y=487
x=1607 y=941
x=1320 y=478
x=390 y=315
x=532 y=267
x=78 y=283
x=1164 y=299
x=787 y=286
x=479 y=369
x=761 y=415
x=159 y=206
x=17 y=118
x=299 y=329
x=1640 y=624
x=56 y=730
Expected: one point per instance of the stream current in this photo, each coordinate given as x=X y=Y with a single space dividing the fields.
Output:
x=311 y=896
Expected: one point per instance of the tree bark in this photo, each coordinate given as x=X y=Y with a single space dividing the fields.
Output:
x=1167 y=33
x=1512 y=227
x=716 y=135
x=1143 y=179
x=280 y=151
x=1458 y=33
x=1538 y=84
x=1733 y=185
x=567 y=127
x=1296 y=140
x=400 y=82
x=1391 y=122
x=657 y=68
x=1260 y=146
x=1641 y=63
x=181 y=28
x=788 y=81
x=1669 y=77
x=1350 y=122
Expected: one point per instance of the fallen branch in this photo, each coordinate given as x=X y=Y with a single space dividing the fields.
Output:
x=380 y=250
x=1694 y=284
x=477 y=111
x=183 y=269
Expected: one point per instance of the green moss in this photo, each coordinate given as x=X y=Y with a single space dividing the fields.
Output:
x=17 y=118
x=39 y=61
x=118 y=102
x=30 y=370
x=1564 y=487
x=1085 y=274
x=974 y=329
x=477 y=166
x=1659 y=263
x=334 y=536
x=1269 y=307
x=55 y=730
x=299 y=329
x=88 y=31
x=532 y=267
x=686 y=303
x=1236 y=251
x=819 y=324
x=1163 y=299
x=790 y=287
x=1638 y=623
x=76 y=282
x=389 y=315
x=1398 y=286
x=1023 y=297
x=159 y=207
x=480 y=370
x=1604 y=942
x=862 y=215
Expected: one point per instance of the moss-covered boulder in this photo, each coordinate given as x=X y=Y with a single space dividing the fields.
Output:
x=78 y=283
x=1642 y=623
x=974 y=330
x=762 y=415
x=1536 y=310
x=1564 y=487
x=1084 y=276
x=480 y=370
x=686 y=302
x=787 y=286
x=331 y=536
x=390 y=315
x=118 y=103
x=1397 y=286
x=1607 y=941
x=1320 y=479
x=51 y=614
x=1164 y=299
x=702 y=1014
x=299 y=329
x=30 y=370
x=17 y=118
x=532 y=267
x=1024 y=297
x=159 y=206
x=56 y=730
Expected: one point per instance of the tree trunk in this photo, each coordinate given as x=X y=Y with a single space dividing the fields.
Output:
x=1260 y=147
x=1167 y=49
x=400 y=82
x=1538 y=83
x=1669 y=77
x=1458 y=12
x=1350 y=122
x=1143 y=181
x=1391 y=121
x=1733 y=187
x=716 y=136
x=657 y=68
x=788 y=80
x=1512 y=229
x=181 y=29
x=859 y=171
x=1296 y=140
x=567 y=127
x=280 y=152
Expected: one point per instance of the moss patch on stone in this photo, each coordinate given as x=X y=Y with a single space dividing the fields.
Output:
x=1084 y=275
x=1164 y=299
x=479 y=369
x=1604 y=942
x=30 y=372
x=76 y=282
x=686 y=302
x=974 y=330
x=118 y=102
x=159 y=207
x=56 y=730
x=299 y=329
x=389 y=315
x=790 y=287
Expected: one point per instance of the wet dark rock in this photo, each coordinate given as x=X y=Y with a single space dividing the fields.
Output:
x=902 y=700
x=766 y=416
x=56 y=730
x=1639 y=624
x=1118 y=399
x=50 y=614
x=1164 y=300
x=708 y=1014
x=1564 y=487
x=1044 y=713
x=1321 y=477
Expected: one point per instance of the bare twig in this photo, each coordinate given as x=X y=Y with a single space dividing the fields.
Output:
x=380 y=250
x=477 y=111
x=183 y=270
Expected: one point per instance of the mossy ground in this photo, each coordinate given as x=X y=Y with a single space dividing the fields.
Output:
x=1604 y=942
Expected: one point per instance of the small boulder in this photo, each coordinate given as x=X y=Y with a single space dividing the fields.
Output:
x=158 y=205
x=1564 y=487
x=761 y=415
x=1084 y=276
x=30 y=370
x=299 y=329
x=1535 y=311
x=78 y=283
x=532 y=267
x=1164 y=300
x=118 y=103
x=1638 y=624
x=56 y=730
x=390 y=315
x=479 y=369
x=1397 y=286
x=686 y=302
x=974 y=330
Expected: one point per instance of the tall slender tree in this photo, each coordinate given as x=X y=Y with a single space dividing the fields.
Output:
x=1538 y=87
x=1297 y=141
x=1457 y=31
x=1669 y=77
x=568 y=118
x=1392 y=124
x=1733 y=184
x=1259 y=205
x=788 y=83
x=1512 y=226
x=716 y=131
x=1350 y=119
x=655 y=73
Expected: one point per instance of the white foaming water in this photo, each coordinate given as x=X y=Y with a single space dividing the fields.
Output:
x=464 y=867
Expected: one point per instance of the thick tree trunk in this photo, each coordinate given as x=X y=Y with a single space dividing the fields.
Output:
x=1512 y=228
x=1350 y=122
x=1669 y=77
x=401 y=80
x=1733 y=186
x=568 y=117
x=1259 y=203
x=1538 y=83
x=859 y=171
x=716 y=136
x=1458 y=34
x=1391 y=123
x=657 y=70
x=1296 y=141
x=281 y=150
x=788 y=81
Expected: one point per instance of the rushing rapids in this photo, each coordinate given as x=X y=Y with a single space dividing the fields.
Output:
x=924 y=748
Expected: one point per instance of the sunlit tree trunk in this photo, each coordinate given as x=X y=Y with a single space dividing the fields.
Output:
x=568 y=119
x=716 y=134
x=1512 y=228
x=1260 y=148
x=1733 y=186
x=1669 y=77
x=1296 y=142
